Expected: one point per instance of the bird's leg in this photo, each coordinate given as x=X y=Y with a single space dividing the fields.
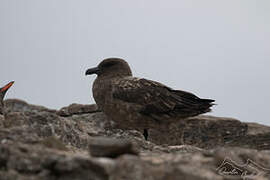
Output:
x=145 y=134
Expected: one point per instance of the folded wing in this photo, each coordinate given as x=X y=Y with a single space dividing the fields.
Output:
x=158 y=101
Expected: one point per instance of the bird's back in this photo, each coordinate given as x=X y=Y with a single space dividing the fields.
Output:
x=158 y=101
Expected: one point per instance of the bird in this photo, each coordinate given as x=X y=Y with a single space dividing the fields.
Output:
x=3 y=92
x=139 y=103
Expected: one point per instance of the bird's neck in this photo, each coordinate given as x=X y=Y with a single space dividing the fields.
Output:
x=113 y=76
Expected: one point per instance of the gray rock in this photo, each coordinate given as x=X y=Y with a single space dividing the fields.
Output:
x=77 y=109
x=17 y=105
x=1 y=121
x=39 y=143
x=42 y=163
x=110 y=147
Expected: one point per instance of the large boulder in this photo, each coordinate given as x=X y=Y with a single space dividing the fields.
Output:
x=41 y=143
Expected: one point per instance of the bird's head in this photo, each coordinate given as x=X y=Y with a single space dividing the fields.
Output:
x=4 y=90
x=111 y=67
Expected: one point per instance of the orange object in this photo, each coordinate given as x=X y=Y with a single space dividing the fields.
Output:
x=6 y=87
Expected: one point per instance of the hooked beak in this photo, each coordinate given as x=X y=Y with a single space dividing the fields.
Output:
x=90 y=71
x=6 y=87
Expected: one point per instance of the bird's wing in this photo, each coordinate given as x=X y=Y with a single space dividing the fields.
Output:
x=155 y=98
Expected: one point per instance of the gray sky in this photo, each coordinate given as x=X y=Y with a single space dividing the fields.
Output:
x=215 y=49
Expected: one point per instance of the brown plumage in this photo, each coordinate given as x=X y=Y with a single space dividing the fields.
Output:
x=3 y=92
x=138 y=102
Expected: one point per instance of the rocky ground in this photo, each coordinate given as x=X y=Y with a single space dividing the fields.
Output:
x=79 y=142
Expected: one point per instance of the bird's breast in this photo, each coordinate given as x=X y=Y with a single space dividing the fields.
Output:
x=101 y=92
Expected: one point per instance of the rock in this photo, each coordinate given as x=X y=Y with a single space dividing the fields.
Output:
x=18 y=134
x=39 y=143
x=255 y=129
x=14 y=119
x=190 y=166
x=185 y=148
x=37 y=162
x=1 y=121
x=54 y=143
x=41 y=163
x=77 y=109
x=17 y=105
x=201 y=131
x=110 y=147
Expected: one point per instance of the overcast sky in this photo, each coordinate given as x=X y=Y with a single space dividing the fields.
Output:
x=215 y=49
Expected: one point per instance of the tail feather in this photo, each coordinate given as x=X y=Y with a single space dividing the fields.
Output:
x=191 y=105
x=208 y=100
x=206 y=104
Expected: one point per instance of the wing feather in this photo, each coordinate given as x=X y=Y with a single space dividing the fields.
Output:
x=157 y=99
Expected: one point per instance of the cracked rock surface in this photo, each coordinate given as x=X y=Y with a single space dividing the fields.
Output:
x=80 y=142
